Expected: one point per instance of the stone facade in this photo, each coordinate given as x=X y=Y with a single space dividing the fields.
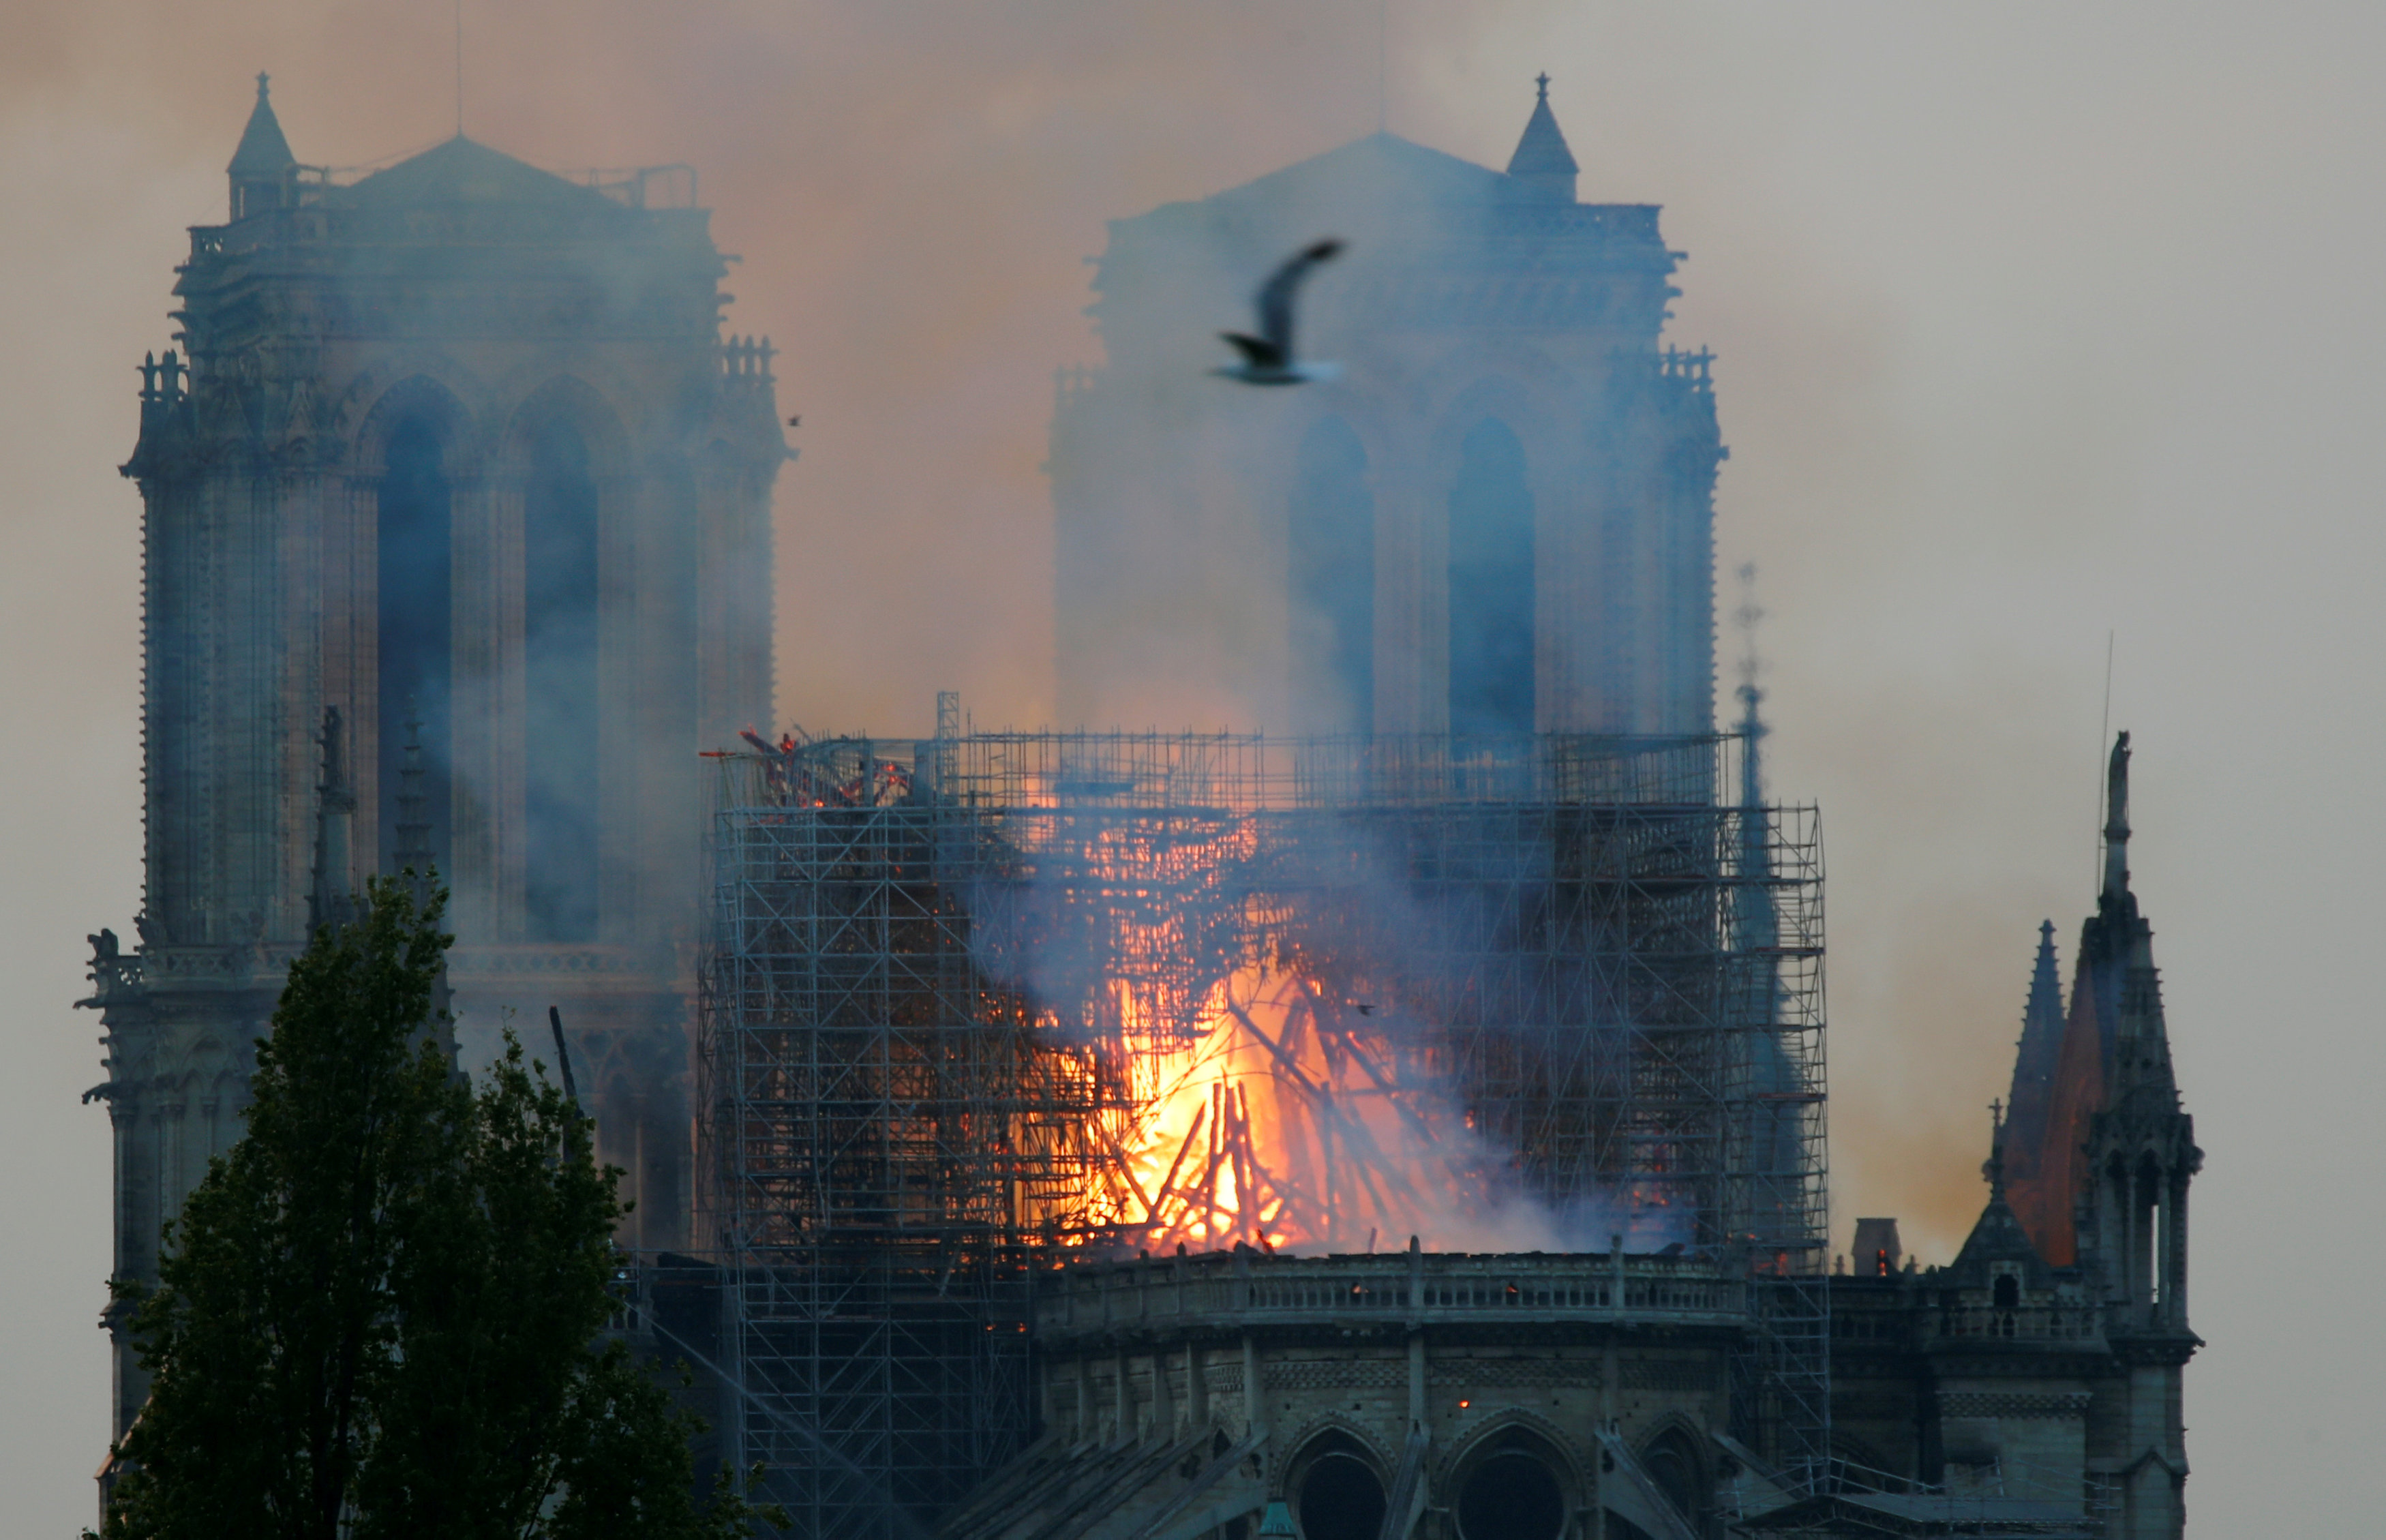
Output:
x=456 y=450
x=1191 y=1396
x=1498 y=519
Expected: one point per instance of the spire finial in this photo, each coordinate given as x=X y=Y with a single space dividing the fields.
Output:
x=1541 y=81
x=2117 y=818
x=1994 y=1167
x=263 y=91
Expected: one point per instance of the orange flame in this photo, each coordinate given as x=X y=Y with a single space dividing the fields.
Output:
x=1280 y=1122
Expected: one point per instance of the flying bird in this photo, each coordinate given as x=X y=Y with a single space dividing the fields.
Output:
x=1268 y=358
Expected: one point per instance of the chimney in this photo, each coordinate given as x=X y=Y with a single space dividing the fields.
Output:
x=1877 y=1253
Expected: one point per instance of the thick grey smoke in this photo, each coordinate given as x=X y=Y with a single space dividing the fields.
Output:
x=1353 y=1014
x=2033 y=320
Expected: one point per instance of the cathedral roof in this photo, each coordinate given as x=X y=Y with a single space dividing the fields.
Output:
x=263 y=153
x=1434 y=241
x=1542 y=151
x=1380 y=165
x=1384 y=189
x=463 y=171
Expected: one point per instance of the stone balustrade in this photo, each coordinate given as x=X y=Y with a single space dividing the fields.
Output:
x=1232 y=1291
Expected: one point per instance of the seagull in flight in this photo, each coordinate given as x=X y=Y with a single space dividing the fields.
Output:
x=1268 y=358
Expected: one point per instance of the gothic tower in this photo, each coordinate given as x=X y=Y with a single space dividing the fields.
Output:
x=2102 y=1155
x=2042 y=1368
x=1497 y=519
x=453 y=458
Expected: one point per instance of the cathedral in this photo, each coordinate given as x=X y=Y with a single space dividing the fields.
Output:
x=448 y=465
x=457 y=553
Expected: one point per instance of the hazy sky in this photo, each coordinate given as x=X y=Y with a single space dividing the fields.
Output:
x=2036 y=322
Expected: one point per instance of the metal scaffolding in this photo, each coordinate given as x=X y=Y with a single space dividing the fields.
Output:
x=942 y=971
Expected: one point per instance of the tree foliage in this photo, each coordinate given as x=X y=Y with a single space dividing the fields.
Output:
x=380 y=1313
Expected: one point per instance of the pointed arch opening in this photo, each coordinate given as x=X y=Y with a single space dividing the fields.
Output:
x=416 y=610
x=1672 y=1463
x=1331 y=582
x=1491 y=586
x=1514 y=1491
x=560 y=717
x=1337 y=1489
x=2147 y=1252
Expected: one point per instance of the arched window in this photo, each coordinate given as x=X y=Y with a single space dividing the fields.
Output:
x=1340 y=1497
x=2007 y=1294
x=2145 y=1229
x=1331 y=584
x=1512 y=1494
x=1490 y=586
x=559 y=609
x=1674 y=1466
x=415 y=606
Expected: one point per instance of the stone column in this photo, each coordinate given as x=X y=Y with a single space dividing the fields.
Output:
x=1163 y=1407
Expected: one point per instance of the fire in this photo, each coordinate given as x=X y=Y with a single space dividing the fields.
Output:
x=1284 y=1117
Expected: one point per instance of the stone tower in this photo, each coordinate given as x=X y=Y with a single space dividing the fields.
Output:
x=2044 y=1367
x=2119 y=1154
x=452 y=479
x=1497 y=519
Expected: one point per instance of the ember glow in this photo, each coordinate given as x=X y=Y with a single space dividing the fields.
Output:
x=1276 y=1123
x=1292 y=1118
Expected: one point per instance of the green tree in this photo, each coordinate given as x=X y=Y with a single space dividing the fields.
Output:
x=380 y=1314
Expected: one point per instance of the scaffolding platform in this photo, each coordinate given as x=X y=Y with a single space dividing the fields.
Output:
x=954 y=986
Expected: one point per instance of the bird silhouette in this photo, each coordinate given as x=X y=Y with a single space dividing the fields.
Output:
x=1268 y=358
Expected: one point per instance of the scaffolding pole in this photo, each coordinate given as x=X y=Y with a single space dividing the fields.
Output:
x=942 y=971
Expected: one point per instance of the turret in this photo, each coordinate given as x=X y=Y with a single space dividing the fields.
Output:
x=2099 y=1153
x=2139 y=1148
x=263 y=171
x=1542 y=162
